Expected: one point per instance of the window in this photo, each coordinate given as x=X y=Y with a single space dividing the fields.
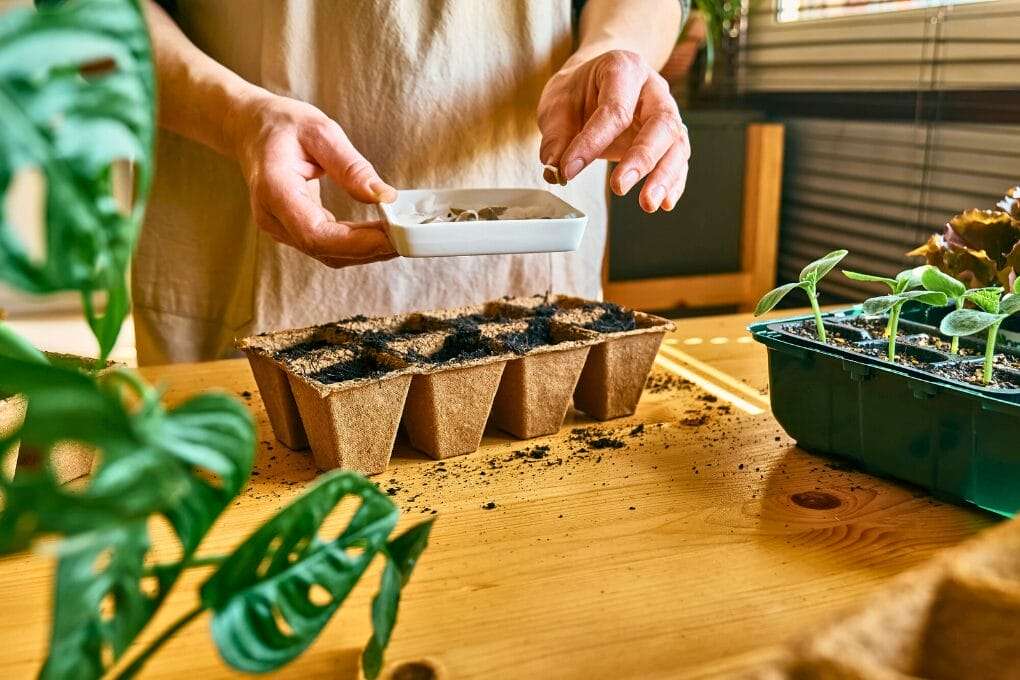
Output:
x=798 y=10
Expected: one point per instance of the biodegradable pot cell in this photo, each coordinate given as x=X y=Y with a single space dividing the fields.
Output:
x=616 y=370
x=445 y=413
x=351 y=426
x=12 y=414
x=69 y=460
x=615 y=373
x=535 y=393
x=281 y=409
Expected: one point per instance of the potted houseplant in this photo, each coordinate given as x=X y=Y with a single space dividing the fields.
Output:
x=77 y=96
x=888 y=386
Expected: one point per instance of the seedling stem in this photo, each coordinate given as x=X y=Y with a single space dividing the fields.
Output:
x=819 y=326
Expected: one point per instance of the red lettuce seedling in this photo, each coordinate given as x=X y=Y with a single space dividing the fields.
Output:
x=971 y=321
x=958 y=293
x=893 y=304
x=809 y=278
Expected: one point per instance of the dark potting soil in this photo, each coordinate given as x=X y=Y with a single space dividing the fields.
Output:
x=1007 y=361
x=833 y=334
x=364 y=365
x=903 y=355
x=537 y=333
x=299 y=350
x=937 y=343
x=873 y=325
x=464 y=343
x=614 y=319
x=972 y=373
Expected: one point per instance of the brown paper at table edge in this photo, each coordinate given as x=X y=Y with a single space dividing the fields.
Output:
x=949 y=618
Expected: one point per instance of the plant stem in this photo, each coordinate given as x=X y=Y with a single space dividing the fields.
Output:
x=154 y=646
x=993 y=332
x=954 y=346
x=819 y=326
x=891 y=329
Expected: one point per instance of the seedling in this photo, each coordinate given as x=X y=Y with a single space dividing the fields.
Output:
x=809 y=278
x=958 y=293
x=971 y=321
x=893 y=304
x=904 y=281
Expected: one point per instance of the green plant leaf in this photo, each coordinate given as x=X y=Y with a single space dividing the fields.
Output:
x=935 y=280
x=925 y=297
x=402 y=556
x=880 y=305
x=816 y=271
x=967 y=322
x=1010 y=304
x=263 y=614
x=883 y=303
x=869 y=278
x=13 y=346
x=77 y=95
x=185 y=464
x=909 y=279
x=770 y=299
x=985 y=298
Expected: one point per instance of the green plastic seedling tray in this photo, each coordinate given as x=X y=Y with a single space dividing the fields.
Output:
x=960 y=442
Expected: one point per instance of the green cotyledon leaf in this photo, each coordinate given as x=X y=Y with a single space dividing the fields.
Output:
x=401 y=557
x=884 y=303
x=967 y=322
x=935 y=280
x=773 y=297
x=77 y=95
x=265 y=611
x=870 y=278
x=816 y=271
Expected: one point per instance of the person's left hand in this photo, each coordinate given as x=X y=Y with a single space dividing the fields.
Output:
x=616 y=107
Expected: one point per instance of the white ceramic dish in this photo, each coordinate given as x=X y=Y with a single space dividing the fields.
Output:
x=562 y=231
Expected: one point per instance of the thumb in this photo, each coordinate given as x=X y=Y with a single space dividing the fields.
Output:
x=333 y=151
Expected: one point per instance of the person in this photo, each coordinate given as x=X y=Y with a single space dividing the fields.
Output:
x=283 y=122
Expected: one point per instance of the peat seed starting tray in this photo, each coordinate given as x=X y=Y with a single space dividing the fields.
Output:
x=345 y=388
x=899 y=420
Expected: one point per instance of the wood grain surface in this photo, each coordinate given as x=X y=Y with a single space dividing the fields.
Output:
x=707 y=533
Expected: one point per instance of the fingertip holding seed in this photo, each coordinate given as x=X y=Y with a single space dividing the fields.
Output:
x=551 y=174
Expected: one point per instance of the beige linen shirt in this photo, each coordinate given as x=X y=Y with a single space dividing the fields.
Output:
x=435 y=93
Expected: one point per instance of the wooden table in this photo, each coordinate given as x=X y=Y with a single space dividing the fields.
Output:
x=662 y=558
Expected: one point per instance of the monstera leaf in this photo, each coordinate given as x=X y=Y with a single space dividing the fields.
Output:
x=185 y=464
x=77 y=95
x=265 y=612
x=401 y=557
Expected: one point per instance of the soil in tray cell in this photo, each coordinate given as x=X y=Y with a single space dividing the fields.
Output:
x=362 y=365
x=536 y=333
x=906 y=355
x=875 y=326
x=938 y=344
x=971 y=373
x=835 y=335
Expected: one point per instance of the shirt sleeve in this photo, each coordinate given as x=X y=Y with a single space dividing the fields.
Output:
x=578 y=5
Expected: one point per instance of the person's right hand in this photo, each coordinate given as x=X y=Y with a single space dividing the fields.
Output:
x=284 y=146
